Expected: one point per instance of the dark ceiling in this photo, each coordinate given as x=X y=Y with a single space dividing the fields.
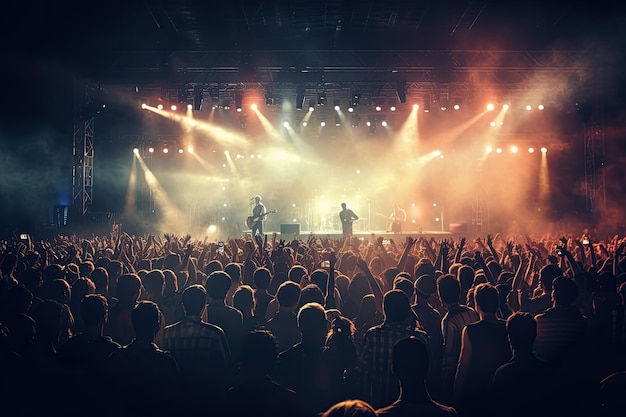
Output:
x=89 y=32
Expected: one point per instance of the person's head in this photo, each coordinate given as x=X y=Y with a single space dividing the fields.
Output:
x=60 y=291
x=243 y=300
x=564 y=291
x=261 y=278
x=465 y=275
x=171 y=261
x=425 y=286
x=194 y=300
x=521 y=328
x=212 y=266
x=146 y=319
x=72 y=273
x=296 y=273
x=311 y=294
x=404 y=284
x=396 y=306
x=343 y=206
x=85 y=268
x=449 y=289
x=350 y=408
x=234 y=270
x=258 y=352
x=154 y=283
x=52 y=272
x=312 y=322
x=487 y=298
x=80 y=288
x=128 y=288
x=94 y=310
x=319 y=277
x=257 y=199
x=288 y=295
x=277 y=280
x=547 y=274
x=367 y=308
x=100 y=278
x=388 y=275
x=217 y=285
x=115 y=269
x=424 y=267
x=171 y=282
x=410 y=360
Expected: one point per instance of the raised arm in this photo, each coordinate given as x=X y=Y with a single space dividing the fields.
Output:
x=375 y=287
x=405 y=253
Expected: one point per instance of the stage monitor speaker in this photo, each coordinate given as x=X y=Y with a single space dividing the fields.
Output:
x=289 y=228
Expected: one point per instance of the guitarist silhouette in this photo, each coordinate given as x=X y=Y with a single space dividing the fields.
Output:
x=255 y=221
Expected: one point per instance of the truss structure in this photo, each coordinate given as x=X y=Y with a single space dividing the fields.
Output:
x=83 y=150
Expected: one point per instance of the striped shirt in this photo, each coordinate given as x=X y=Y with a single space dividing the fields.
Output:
x=452 y=324
x=382 y=385
x=559 y=330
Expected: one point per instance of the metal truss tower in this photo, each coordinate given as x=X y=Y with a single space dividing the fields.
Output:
x=594 y=149
x=83 y=149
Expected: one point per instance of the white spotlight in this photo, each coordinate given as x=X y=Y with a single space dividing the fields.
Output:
x=514 y=149
x=253 y=106
x=160 y=107
x=490 y=107
x=323 y=124
x=305 y=124
x=498 y=150
x=392 y=108
x=286 y=124
x=529 y=107
x=457 y=107
x=350 y=109
x=173 y=107
x=144 y=105
x=136 y=151
x=151 y=149
x=505 y=107
x=489 y=149
x=544 y=150
x=416 y=107
x=383 y=123
x=378 y=108
x=540 y=107
x=531 y=150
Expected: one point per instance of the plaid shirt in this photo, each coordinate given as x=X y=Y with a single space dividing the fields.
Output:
x=200 y=348
x=382 y=385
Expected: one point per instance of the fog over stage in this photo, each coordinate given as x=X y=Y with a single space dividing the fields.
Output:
x=480 y=168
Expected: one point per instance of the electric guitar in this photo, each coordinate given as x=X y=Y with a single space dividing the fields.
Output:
x=395 y=223
x=251 y=221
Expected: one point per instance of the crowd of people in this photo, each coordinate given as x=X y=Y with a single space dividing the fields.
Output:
x=170 y=325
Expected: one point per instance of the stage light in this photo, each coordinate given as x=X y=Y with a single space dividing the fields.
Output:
x=531 y=150
x=356 y=120
x=226 y=104
x=322 y=124
x=165 y=150
x=337 y=120
x=299 y=98
x=180 y=150
x=492 y=124
x=253 y=106
x=529 y=107
x=392 y=108
x=505 y=107
x=151 y=149
x=540 y=107
x=378 y=108
x=427 y=103
x=144 y=105
x=498 y=150
x=198 y=98
x=514 y=149
x=383 y=123
x=286 y=124
x=305 y=124
x=189 y=149
x=136 y=151
x=416 y=107
x=173 y=107
x=444 y=105
x=457 y=106
x=489 y=149
x=189 y=106
x=544 y=150
x=336 y=103
x=490 y=107
x=321 y=99
x=356 y=97
x=350 y=110
x=160 y=106
x=401 y=91
x=239 y=100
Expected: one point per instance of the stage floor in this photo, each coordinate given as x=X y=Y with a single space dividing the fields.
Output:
x=397 y=237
